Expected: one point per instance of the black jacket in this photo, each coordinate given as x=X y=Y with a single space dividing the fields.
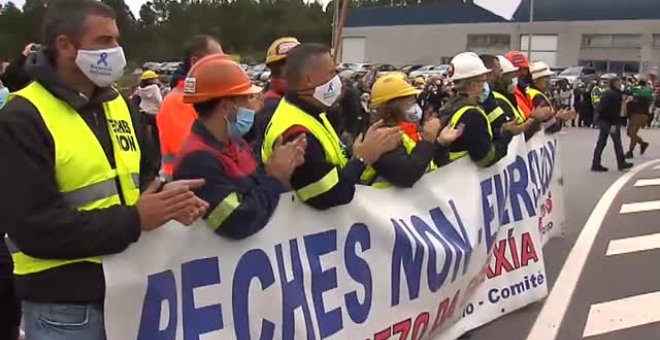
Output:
x=316 y=166
x=609 y=108
x=34 y=212
x=475 y=139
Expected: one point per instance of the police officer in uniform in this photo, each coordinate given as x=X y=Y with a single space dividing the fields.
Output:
x=72 y=174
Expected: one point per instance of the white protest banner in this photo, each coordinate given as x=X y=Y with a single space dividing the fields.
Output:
x=395 y=263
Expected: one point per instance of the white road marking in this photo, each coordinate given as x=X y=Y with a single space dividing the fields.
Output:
x=647 y=182
x=636 y=207
x=550 y=318
x=623 y=313
x=633 y=244
x=656 y=167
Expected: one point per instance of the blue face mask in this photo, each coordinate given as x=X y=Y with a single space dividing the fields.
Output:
x=243 y=123
x=4 y=95
x=485 y=92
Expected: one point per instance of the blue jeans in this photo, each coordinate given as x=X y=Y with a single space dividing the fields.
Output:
x=50 y=321
x=614 y=132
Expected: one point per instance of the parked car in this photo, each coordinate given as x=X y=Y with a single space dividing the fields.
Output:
x=582 y=73
x=440 y=70
x=264 y=76
x=152 y=65
x=169 y=67
x=410 y=68
x=421 y=71
x=255 y=71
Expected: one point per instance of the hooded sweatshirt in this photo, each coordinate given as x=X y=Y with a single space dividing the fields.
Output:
x=150 y=99
x=35 y=214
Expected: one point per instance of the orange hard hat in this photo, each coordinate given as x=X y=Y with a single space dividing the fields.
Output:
x=518 y=59
x=216 y=76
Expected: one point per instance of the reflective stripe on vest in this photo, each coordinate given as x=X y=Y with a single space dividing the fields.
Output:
x=82 y=171
x=496 y=113
x=596 y=94
x=454 y=123
x=287 y=115
x=519 y=116
x=533 y=93
x=223 y=210
x=371 y=177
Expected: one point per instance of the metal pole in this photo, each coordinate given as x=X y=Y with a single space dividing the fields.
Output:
x=529 y=35
x=335 y=23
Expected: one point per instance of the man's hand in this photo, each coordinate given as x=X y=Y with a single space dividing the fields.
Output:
x=156 y=208
x=431 y=129
x=201 y=206
x=514 y=128
x=376 y=141
x=542 y=113
x=566 y=114
x=450 y=134
x=286 y=158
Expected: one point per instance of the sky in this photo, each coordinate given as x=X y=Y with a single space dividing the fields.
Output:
x=504 y=8
x=133 y=4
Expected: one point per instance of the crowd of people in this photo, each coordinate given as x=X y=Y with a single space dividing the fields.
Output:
x=86 y=170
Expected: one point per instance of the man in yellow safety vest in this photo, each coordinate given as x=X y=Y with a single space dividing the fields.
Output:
x=468 y=73
x=329 y=174
x=71 y=174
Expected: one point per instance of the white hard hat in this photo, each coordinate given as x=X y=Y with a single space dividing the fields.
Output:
x=507 y=66
x=539 y=69
x=466 y=65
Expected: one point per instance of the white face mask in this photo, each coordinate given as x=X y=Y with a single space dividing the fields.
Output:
x=102 y=67
x=513 y=85
x=328 y=93
x=414 y=114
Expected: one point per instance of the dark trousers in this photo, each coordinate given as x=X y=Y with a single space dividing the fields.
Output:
x=10 y=309
x=606 y=129
x=585 y=116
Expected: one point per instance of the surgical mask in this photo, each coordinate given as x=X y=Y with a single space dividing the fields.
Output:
x=414 y=114
x=485 y=92
x=243 y=123
x=4 y=96
x=102 y=67
x=328 y=93
x=513 y=85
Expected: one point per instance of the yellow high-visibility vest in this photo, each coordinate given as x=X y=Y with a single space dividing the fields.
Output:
x=288 y=115
x=519 y=116
x=82 y=171
x=454 y=122
x=370 y=176
x=533 y=93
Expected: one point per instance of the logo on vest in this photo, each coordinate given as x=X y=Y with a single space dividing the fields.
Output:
x=122 y=131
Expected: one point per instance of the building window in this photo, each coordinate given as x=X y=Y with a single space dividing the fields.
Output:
x=488 y=41
x=614 y=66
x=596 y=41
x=611 y=40
x=626 y=40
x=656 y=41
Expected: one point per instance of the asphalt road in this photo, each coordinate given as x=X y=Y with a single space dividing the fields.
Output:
x=607 y=299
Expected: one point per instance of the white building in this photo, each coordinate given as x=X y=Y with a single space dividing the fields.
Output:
x=610 y=35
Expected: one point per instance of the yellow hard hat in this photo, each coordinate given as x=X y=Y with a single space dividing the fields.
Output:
x=279 y=48
x=148 y=75
x=389 y=87
x=420 y=80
